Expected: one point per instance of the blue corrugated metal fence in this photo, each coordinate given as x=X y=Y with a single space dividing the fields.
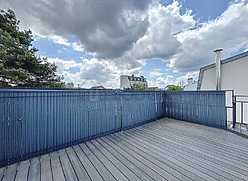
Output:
x=34 y=122
x=201 y=107
x=141 y=106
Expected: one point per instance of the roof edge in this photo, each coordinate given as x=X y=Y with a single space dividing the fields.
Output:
x=227 y=60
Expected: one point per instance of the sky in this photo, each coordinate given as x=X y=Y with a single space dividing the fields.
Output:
x=93 y=42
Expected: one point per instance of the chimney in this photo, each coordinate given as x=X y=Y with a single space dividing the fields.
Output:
x=218 y=68
x=190 y=81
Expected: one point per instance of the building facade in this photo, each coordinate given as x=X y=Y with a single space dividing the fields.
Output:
x=191 y=86
x=128 y=82
x=234 y=74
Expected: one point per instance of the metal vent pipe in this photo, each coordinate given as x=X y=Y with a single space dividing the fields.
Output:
x=218 y=68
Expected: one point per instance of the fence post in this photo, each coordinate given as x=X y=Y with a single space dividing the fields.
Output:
x=121 y=110
x=156 y=106
x=234 y=110
x=116 y=119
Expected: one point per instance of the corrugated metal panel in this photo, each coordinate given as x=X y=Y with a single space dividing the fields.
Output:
x=34 y=122
x=139 y=107
x=201 y=107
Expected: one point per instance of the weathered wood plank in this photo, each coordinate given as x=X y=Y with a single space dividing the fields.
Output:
x=205 y=173
x=57 y=170
x=150 y=156
x=114 y=171
x=191 y=156
x=164 y=174
x=34 y=170
x=22 y=174
x=128 y=163
x=10 y=173
x=164 y=137
x=67 y=167
x=91 y=170
x=2 y=171
x=99 y=166
x=128 y=173
x=220 y=142
x=78 y=167
x=162 y=150
x=142 y=165
x=46 y=171
x=200 y=174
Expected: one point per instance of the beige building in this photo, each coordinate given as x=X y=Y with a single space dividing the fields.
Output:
x=127 y=82
x=233 y=76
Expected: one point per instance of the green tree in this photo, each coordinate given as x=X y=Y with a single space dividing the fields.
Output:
x=174 y=88
x=139 y=88
x=19 y=65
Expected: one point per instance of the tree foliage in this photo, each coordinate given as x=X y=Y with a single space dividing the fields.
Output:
x=139 y=88
x=19 y=65
x=174 y=88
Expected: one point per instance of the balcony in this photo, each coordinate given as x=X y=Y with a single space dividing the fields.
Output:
x=163 y=150
x=79 y=140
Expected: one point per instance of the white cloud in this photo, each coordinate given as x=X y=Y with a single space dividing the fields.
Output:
x=78 y=47
x=60 y=40
x=229 y=31
x=155 y=74
x=159 y=41
x=164 y=81
x=122 y=35
x=91 y=72
x=183 y=80
x=64 y=64
x=106 y=29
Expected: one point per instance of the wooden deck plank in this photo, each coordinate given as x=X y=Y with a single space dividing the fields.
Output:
x=214 y=152
x=128 y=173
x=164 y=136
x=46 y=171
x=162 y=150
x=22 y=173
x=208 y=143
x=78 y=167
x=219 y=142
x=10 y=173
x=57 y=170
x=184 y=155
x=98 y=165
x=91 y=170
x=34 y=170
x=112 y=168
x=144 y=159
x=146 y=168
x=175 y=155
x=128 y=163
x=67 y=167
x=150 y=156
x=200 y=174
x=2 y=171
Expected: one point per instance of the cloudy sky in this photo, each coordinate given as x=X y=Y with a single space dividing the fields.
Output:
x=95 y=41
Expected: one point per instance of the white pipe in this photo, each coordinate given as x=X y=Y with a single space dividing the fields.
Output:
x=218 y=68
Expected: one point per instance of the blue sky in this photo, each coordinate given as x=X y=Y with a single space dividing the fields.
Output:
x=166 y=41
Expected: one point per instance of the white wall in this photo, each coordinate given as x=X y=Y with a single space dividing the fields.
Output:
x=191 y=87
x=124 y=82
x=234 y=76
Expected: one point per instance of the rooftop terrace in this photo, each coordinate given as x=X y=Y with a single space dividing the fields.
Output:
x=163 y=150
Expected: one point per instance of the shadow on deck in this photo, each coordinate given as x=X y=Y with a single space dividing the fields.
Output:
x=241 y=129
x=163 y=150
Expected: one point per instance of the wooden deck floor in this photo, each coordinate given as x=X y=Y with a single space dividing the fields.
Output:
x=162 y=150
